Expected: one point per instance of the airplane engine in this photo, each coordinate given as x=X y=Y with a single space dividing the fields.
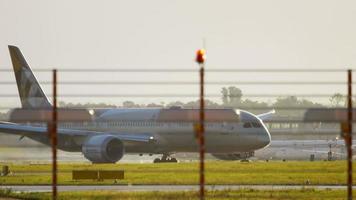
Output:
x=234 y=156
x=103 y=149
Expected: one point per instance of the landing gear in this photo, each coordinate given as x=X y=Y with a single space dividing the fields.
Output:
x=165 y=159
x=330 y=154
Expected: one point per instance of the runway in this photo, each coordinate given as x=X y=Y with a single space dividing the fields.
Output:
x=137 y=188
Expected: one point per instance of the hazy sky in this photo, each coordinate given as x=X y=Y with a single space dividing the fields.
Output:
x=165 y=34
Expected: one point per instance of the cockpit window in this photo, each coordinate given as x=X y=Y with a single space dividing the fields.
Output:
x=256 y=124
x=252 y=124
x=247 y=125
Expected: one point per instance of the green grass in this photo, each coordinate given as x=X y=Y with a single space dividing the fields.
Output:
x=247 y=194
x=217 y=172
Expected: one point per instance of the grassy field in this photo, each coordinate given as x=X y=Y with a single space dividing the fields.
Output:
x=217 y=172
x=303 y=194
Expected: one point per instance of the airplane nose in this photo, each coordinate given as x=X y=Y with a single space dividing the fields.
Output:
x=265 y=139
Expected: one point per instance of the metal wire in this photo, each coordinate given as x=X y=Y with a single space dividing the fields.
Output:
x=185 y=95
x=187 y=83
x=212 y=69
x=227 y=107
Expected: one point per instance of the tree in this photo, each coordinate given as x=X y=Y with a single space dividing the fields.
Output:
x=176 y=103
x=289 y=101
x=154 y=105
x=298 y=105
x=129 y=104
x=235 y=96
x=261 y=106
x=64 y=104
x=196 y=104
x=337 y=100
x=225 y=94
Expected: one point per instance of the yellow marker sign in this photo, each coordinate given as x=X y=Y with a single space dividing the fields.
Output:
x=84 y=174
x=117 y=174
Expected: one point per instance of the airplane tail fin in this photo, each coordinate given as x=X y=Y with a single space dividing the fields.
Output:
x=30 y=91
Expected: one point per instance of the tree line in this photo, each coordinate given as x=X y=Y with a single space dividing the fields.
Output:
x=231 y=97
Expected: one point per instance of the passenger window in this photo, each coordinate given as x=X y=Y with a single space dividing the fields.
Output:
x=247 y=125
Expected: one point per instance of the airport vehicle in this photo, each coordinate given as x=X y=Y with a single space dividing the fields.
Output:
x=105 y=135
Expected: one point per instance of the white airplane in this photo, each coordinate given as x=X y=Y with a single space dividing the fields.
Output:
x=107 y=134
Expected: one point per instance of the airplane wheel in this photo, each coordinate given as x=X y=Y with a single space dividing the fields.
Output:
x=157 y=160
x=174 y=160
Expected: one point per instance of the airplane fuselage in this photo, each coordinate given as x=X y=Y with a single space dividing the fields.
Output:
x=244 y=135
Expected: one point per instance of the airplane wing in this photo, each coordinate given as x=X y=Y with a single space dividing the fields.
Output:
x=26 y=130
x=266 y=115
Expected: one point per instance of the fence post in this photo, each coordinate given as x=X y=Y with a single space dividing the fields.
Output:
x=54 y=137
x=201 y=130
x=348 y=136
